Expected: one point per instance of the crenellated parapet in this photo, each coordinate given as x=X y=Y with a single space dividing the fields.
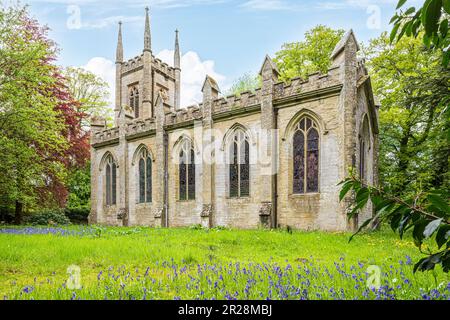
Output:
x=105 y=136
x=139 y=128
x=133 y=64
x=163 y=68
x=315 y=83
x=158 y=65
x=183 y=116
x=233 y=102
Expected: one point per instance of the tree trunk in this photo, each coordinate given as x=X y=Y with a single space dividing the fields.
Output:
x=18 y=212
x=404 y=160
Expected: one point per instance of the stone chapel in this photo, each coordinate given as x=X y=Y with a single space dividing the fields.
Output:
x=269 y=158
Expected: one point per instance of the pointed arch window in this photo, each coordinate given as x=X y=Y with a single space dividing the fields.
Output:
x=364 y=145
x=145 y=177
x=306 y=157
x=134 y=101
x=239 y=165
x=111 y=185
x=187 y=171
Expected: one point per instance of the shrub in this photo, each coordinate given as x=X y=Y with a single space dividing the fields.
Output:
x=48 y=217
x=196 y=227
x=78 y=215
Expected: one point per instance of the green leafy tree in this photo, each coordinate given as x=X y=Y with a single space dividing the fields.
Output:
x=91 y=92
x=30 y=124
x=426 y=214
x=79 y=185
x=248 y=82
x=414 y=194
x=430 y=22
x=298 y=59
x=412 y=86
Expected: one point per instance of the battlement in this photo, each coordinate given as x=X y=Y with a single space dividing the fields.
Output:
x=138 y=127
x=104 y=136
x=314 y=82
x=233 y=102
x=191 y=113
x=163 y=67
x=137 y=63
x=133 y=64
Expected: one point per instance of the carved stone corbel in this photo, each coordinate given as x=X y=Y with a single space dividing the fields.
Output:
x=265 y=209
x=207 y=210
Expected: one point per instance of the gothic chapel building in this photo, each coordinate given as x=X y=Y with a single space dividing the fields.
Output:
x=273 y=157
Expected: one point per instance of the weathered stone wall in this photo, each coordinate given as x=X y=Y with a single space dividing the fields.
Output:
x=140 y=213
x=362 y=120
x=100 y=213
x=182 y=212
x=320 y=210
x=338 y=102
x=236 y=212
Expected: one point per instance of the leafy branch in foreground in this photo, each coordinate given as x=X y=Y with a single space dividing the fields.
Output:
x=432 y=17
x=426 y=214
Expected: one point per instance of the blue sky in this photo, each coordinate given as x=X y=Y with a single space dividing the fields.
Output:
x=224 y=37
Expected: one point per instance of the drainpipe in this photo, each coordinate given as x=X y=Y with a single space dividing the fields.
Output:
x=275 y=176
x=166 y=180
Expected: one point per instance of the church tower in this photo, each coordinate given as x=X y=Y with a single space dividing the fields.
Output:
x=140 y=80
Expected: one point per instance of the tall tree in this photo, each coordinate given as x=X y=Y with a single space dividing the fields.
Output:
x=298 y=59
x=248 y=82
x=413 y=88
x=90 y=91
x=40 y=131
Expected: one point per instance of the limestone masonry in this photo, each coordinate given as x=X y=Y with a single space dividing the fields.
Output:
x=270 y=158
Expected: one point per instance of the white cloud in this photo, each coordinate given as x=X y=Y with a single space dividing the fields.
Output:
x=193 y=73
x=105 y=69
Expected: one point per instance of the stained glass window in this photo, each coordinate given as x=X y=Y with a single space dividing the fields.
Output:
x=299 y=162
x=239 y=166
x=306 y=157
x=113 y=184
x=141 y=181
x=191 y=176
x=145 y=177
x=110 y=177
x=187 y=171
x=183 y=172
x=364 y=146
x=245 y=171
x=234 y=171
x=313 y=161
x=108 y=185
x=149 y=179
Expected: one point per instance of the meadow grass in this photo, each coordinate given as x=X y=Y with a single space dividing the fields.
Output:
x=193 y=263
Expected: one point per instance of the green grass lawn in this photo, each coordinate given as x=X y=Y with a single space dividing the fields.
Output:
x=144 y=263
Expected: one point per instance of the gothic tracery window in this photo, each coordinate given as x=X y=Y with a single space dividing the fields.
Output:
x=306 y=157
x=364 y=146
x=362 y=160
x=145 y=177
x=134 y=101
x=239 y=165
x=187 y=171
x=111 y=185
